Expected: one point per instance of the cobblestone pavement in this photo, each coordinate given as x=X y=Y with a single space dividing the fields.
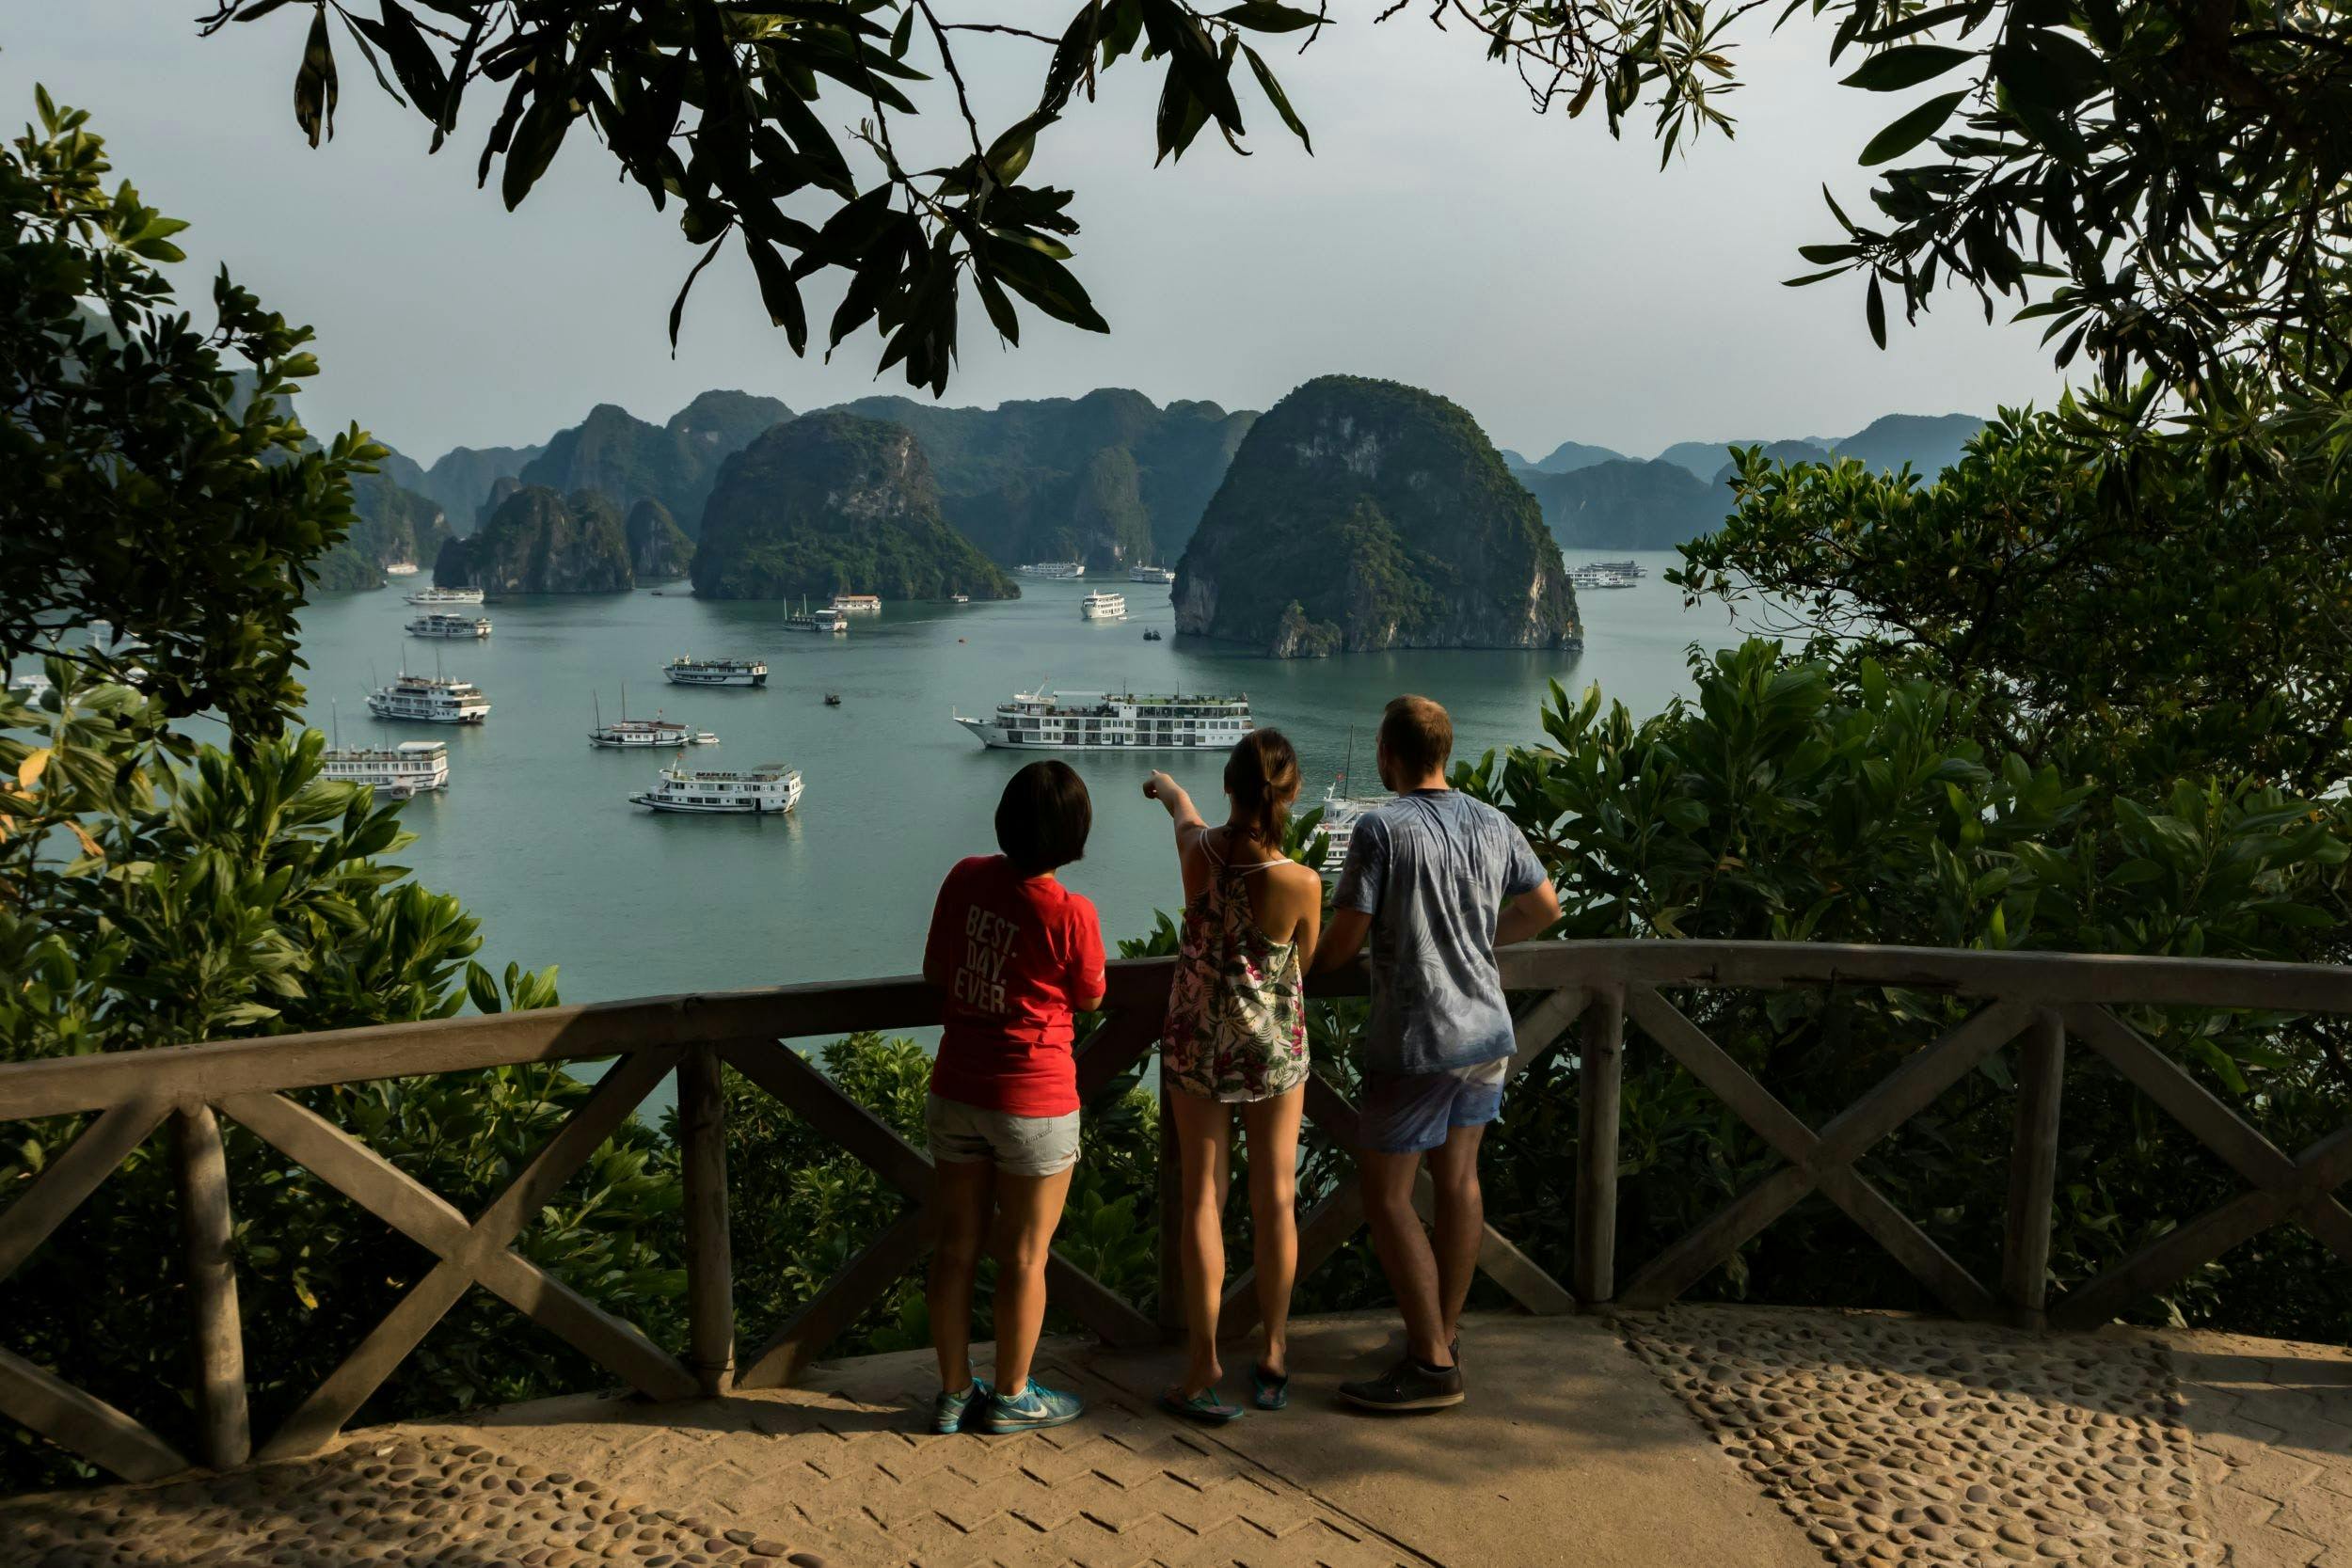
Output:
x=1780 y=1437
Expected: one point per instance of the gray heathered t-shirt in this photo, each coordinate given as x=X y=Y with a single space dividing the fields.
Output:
x=1434 y=869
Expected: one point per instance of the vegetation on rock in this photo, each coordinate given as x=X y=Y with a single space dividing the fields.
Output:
x=834 y=503
x=658 y=550
x=629 y=461
x=1362 y=514
x=539 y=542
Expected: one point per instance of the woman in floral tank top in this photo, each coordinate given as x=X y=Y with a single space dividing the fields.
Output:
x=1236 y=1037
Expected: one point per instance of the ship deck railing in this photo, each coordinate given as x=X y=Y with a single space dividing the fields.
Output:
x=1597 y=1001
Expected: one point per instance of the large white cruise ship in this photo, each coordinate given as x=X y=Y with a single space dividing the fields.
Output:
x=1151 y=574
x=440 y=623
x=1101 y=720
x=408 y=768
x=769 y=787
x=1052 y=569
x=430 y=700
x=686 y=670
x=1099 y=606
x=858 y=604
x=428 y=598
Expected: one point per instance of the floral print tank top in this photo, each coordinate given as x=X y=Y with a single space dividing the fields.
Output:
x=1236 y=1012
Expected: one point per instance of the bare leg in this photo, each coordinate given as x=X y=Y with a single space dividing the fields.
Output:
x=1461 y=1216
x=1204 y=1143
x=1272 y=1127
x=964 y=1191
x=1028 y=1210
x=1404 y=1250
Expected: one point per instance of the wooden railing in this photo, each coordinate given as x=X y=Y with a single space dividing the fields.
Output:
x=2032 y=1004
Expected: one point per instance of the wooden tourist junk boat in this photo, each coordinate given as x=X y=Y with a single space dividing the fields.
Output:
x=830 y=619
x=626 y=734
x=411 y=767
x=430 y=700
x=687 y=670
x=1098 y=721
x=770 y=789
x=440 y=624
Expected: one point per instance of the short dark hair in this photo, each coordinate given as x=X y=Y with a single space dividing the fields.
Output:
x=1417 y=734
x=1044 y=818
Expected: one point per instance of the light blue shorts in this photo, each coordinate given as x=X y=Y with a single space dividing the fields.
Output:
x=1412 y=1113
x=1021 y=1146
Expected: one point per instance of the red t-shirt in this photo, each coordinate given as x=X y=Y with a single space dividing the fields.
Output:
x=1015 y=952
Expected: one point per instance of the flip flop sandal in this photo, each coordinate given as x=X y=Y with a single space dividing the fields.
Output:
x=1274 y=1389
x=1203 y=1407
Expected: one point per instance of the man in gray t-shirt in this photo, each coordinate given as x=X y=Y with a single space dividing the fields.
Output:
x=1438 y=882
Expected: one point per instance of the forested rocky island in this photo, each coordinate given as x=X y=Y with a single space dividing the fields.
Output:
x=1364 y=515
x=539 y=541
x=834 y=502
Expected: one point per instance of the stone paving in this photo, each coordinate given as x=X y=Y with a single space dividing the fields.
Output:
x=1748 y=1437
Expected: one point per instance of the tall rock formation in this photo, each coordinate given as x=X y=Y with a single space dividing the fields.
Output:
x=658 y=548
x=1363 y=515
x=539 y=542
x=613 y=451
x=834 y=503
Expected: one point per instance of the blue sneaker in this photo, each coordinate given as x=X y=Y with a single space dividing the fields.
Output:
x=958 y=1412
x=1033 y=1409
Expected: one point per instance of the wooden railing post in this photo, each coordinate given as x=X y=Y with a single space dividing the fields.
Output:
x=1169 y=1309
x=224 y=1430
x=2033 y=1168
x=1599 y=1089
x=709 y=1258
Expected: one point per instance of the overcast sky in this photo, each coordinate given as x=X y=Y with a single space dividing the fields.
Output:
x=1553 y=282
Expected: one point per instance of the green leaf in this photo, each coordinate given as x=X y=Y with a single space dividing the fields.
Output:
x=1043 y=282
x=314 y=83
x=1912 y=129
x=481 y=989
x=1907 y=66
x=778 y=292
x=903 y=33
x=1265 y=16
x=1874 y=308
x=1273 y=90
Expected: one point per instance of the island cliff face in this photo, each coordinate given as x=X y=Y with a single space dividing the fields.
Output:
x=539 y=542
x=1365 y=514
x=835 y=503
x=658 y=548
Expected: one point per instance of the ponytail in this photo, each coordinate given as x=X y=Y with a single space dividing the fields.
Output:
x=1261 y=776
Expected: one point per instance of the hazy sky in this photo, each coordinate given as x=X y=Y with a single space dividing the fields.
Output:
x=1553 y=282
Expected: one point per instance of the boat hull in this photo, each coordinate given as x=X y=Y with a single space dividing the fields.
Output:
x=428 y=718
x=689 y=677
x=655 y=802
x=996 y=738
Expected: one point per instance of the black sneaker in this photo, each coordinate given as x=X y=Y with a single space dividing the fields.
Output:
x=1406 y=1386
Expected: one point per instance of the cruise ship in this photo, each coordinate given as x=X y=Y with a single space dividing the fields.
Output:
x=684 y=671
x=771 y=787
x=1064 y=569
x=400 y=569
x=858 y=604
x=1340 y=813
x=411 y=767
x=1101 y=721
x=1099 y=606
x=441 y=624
x=430 y=700
x=832 y=619
x=1599 y=576
x=1151 y=574
x=428 y=597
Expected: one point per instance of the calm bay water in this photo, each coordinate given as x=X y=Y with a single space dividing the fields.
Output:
x=536 y=834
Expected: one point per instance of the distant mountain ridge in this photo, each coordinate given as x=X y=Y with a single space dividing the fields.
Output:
x=628 y=460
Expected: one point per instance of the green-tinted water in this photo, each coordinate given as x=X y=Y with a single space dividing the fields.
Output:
x=535 y=833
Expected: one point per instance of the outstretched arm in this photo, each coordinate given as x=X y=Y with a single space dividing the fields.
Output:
x=1180 y=811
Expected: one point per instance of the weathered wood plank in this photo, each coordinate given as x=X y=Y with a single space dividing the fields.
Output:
x=807 y=1093
x=2168 y=1258
x=72 y=1176
x=702 y=1132
x=1124 y=1039
x=1730 y=1082
x=355 y=1171
x=613 y=1342
x=2210 y=1120
x=1600 y=1094
x=1329 y=1110
x=1711 y=1244
x=2033 y=1169
x=1112 y=1316
x=82 y=1424
x=1543 y=1026
x=1915 y=1085
x=1908 y=1245
x=224 y=1429
x=315 y=1422
x=824 y=1316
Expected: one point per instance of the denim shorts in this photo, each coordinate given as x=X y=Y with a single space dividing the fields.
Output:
x=1412 y=1113
x=962 y=1134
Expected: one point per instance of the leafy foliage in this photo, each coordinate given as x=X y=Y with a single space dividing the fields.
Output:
x=151 y=475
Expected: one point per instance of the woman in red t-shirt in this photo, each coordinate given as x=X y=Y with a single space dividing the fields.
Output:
x=1016 y=955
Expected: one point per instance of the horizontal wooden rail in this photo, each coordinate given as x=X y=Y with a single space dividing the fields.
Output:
x=1609 y=999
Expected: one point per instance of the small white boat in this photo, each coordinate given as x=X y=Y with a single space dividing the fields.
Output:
x=858 y=604
x=686 y=670
x=411 y=767
x=1099 y=606
x=770 y=789
x=32 y=684
x=438 y=625
x=425 y=598
x=430 y=700
x=959 y=598
x=1056 y=569
x=1152 y=574
x=400 y=569
x=704 y=737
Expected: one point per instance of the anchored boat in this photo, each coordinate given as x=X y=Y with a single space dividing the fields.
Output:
x=428 y=598
x=829 y=618
x=765 y=790
x=411 y=767
x=1098 y=721
x=430 y=700
x=1152 y=574
x=686 y=670
x=1056 y=569
x=1099 y=606
x=450 y=625
x=626 y=734
x=858 y=604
